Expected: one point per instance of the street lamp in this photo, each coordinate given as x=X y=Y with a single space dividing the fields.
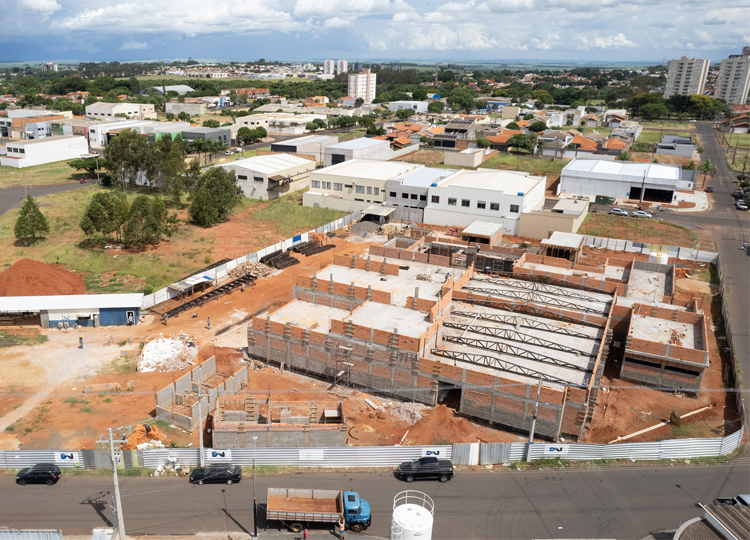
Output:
x=200 y=423
x=255 y=502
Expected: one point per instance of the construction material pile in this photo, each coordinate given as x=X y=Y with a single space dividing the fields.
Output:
x=33 y=278
x=365 y=228
x=410 y=413
x=169 y=354
x=250 y=269
x=145 y=437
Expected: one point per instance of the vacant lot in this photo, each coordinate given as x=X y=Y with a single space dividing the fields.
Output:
x=602 y=130
x=431 y=158
x=669 y=125
x=40 y=175
x=123 y=270
x=349 y=135
x=740 y=140
x=521 y=162
x=642 y=230
x=653 y=137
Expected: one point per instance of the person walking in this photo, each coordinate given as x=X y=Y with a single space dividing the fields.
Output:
x=342 y=527
x=744 y=246
x=80 y=342
x=209 y=323
x=304 y=534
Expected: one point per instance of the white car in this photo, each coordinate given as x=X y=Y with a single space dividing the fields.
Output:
x=642 y=213
x=741 y=205
x=618 y=212
x=228 y=153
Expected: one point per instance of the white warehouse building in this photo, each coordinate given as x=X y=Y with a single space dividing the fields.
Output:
x=489 y=195
x=28 y=153
x=625 y=180
x=268 y=177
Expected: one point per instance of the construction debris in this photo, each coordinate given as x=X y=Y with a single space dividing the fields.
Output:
x=145 y=437
x=410 y=413
x=250 y=269
x=168 y=354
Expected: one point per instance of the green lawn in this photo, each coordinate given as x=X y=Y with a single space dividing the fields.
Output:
x=349 y=135
x=653 y=137
x=603 y=130
x=669 y=125
x=39 y=175
x=650 y=231
x=741 y=140
x=288 y=214
x=523 y=163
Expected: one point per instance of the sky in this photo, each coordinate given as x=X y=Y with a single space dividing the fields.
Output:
x=472 y=30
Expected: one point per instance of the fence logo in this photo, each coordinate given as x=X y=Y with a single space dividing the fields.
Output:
x=68 y=458
x=556 y=449
x=218 y=455
x=426 y=452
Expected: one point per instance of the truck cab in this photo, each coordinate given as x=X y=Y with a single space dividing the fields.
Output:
x=356 y=511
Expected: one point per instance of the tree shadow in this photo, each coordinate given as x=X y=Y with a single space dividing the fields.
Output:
x=28 y=241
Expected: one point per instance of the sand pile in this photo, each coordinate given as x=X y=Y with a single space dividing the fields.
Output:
x=33 y=278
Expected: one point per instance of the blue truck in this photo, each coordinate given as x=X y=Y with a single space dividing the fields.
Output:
x=295 y=508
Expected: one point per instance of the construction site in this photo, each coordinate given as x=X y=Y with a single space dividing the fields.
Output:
x=419 y=336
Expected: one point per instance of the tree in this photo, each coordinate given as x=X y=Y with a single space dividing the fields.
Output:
x=245 y=135
x=542 y=96
x=403 y=114
x=86 y=164
x=436 y=107
x=30 y=222
x=514 y=126
x=483 y=143
x=210 y=123
x=183 y=117
x=420 y=94
x=691 y=166
x=310 y=126
x=261 y=132
x=105 y=214
x=126 y=157
x=462 y=98
x=199 y=146
x=359 y=102
x=707 y=168
x=651 y=111
x=537 y=127
x=146 y=221
x=528 y=116
x=624 y=156
x=216 y=193
x=521 y=142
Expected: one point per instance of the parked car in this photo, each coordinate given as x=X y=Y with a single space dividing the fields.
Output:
x=228 y=153
x=709 y=189
x=737 y=194
x=642 y=214
x=41 y=473
x=216 y=474
x=425 y=468
x=741 y=205
x=618 y=212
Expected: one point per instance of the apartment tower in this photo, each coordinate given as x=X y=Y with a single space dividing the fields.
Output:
x=328 y=67
x=686 y=76
x=733 y=83
x=362 y=85
x=342 y=67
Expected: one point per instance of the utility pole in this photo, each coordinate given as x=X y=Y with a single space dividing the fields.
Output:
x=643 y=188
x=200 y=424
x=533 y=417
x=25 y=195
x=118 y=502
x=255 y=502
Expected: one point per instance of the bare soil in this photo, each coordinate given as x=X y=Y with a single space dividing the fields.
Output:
x=426 y=157
x=33 y=278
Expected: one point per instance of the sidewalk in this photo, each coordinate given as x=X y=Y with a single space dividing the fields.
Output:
x=271 y=534
x=698 y=197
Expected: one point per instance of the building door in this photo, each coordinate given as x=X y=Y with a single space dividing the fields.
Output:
x=130 y=315
x=337 y=158
x=449 y=394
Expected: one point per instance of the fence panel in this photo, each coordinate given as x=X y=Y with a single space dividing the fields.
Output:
x=689 y=448
x=466 y=454
x=27 y=458
x=494 y=453
x=517 y=451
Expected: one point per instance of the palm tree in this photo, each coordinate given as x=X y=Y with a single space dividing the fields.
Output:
x=707 y=168
x=218 y=147
x=540 y=146
x=199 y=146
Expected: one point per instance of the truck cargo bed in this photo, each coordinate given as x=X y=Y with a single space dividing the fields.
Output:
x=321 y=505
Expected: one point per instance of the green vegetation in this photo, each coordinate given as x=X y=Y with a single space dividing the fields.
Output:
x=668 y=125
x=86 y=409
x=108 y=400
x=121 y=365
x=10 y=429
x=740 y=140
x=647 y=230
x=39 y=175
x=524 y=163
x=75 y=401
x=709 y=274
x=349 y=135
x=290 y=216
x=9 y=340
x=216 y=193
x=601 y=130
x=653 y=137
x=687 y=431
x=30 y=221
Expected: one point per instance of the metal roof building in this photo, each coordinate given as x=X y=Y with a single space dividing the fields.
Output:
x=267 y=177
x=624 y=180
x=67 y=310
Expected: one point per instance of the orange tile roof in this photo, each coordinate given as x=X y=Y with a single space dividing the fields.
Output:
x=503 y=136
x=522 y=123
x=584 y=143
x=402 y=141
x=436 y=130
x=380 y=138
x=614 y=144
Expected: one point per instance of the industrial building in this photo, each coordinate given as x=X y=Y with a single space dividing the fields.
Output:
x=362 y=148
x=353 y=185
x=102 y=133
x=407 y=193
x=32 y=152
x=108 y=111
x=268 y=177
x=15 y=124
x=66 y=311
x=416 y=106
x=676 y=145
x=310 y=145
x=279 y=123
x=210 y=134
x=193 y=109
x=625 y=180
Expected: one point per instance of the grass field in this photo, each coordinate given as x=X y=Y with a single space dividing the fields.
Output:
x=349 y=135
x=253 y=225
x=603 y=130
x=669 y=125
x=39 y=175
x=506 y=160
x=653 y=137
x=741 y=140
x=644 y=230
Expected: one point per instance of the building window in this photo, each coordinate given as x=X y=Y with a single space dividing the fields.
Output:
x=404 y=195
x=495 y=206
x=338 y=187
x=376 y=191
x=369 y=190
x=327 y=185
x=423 y=198
x=359 y=189
x=359 y=200
x=316 y=183
x=241 y=177
x=481 y=205
x=466 y=203
x=393 y=194
x=414 y=196
x=514 y=208
x=435 y=199
x=451 y=201
x=349 y=186
x=258 y=178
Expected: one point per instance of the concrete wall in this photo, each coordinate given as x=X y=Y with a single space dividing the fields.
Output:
x=471 y=158
x=190 y=108
x=537 y=224
x=279 y=436
x=381 y=152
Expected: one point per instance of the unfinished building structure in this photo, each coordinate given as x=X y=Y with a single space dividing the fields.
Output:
x=250 y=420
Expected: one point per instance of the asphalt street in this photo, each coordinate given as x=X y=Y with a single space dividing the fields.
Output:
x=606 y=503
x=9 y=197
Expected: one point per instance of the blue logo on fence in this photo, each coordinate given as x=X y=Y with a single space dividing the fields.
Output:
x=555 y=449
x=67 y=456
x=432 y=453
x=218 y=454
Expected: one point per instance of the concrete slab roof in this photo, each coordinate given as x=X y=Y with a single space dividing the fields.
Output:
x=617 y=272
x=424 y=177
x=563 y=239
x=29 y=142
x=306 y=315
x=34 y=304
x=664 y=331
x=270 y=164
x=307 y=139
x=369 y=169
x=408 y=322
x=482 y=228
x=359 y=144
x=507 y=182
x=645 y=285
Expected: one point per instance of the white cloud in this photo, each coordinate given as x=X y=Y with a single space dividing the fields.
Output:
x=134 y=46
x=330 y=8
x=420 y=36
x=614 y=42
x=714 y=21
x=664 y=25
x=41 y=6
x=552 y=41
x=336 y=22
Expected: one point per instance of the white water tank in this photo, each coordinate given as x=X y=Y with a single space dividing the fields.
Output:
x=412 y=516
x=659 y=257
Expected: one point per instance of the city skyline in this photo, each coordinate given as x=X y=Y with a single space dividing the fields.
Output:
x=522 y=30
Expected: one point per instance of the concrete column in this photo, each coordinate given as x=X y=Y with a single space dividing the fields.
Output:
x=367 y=264
x=330 y=285
x=369 y=287
x=315 y=279
x=416 y=297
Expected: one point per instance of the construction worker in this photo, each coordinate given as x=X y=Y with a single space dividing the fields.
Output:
x=80 y=342
x=209 y=323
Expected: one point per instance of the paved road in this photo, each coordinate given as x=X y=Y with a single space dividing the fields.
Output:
x=9 y=197
x=608 y=503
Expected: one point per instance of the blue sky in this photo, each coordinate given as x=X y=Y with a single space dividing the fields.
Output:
x=490 y=30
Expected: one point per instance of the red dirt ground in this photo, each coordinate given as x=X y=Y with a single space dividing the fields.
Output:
x=28 y=277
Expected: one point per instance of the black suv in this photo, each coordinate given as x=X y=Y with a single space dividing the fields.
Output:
x=216 y=474
x=737 y=194
x=41 y=473
x=426 y=468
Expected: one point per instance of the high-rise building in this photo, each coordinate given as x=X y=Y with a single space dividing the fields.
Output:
x=686 y=76
x=328 y=67
x=343 y=67
x=733 y=83
x=362 y=85
x=358 y=66
x=49 y=66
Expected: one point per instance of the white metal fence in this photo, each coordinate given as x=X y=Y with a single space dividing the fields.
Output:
x=641 y=247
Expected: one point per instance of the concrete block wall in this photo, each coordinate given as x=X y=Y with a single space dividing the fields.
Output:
x=165 y=397
x=183 y=383
x=279 y=436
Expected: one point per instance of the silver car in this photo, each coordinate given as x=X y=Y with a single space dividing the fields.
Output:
x=642 y=213
x=618 y=212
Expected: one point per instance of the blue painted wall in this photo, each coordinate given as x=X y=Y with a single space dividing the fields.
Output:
x=116 y=316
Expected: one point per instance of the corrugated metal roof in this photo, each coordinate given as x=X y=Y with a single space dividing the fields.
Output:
x=32 y=534
x=269 y=165
x=356 y=144
x=33 y=304
x=563 y=239
x=378 y=211
x=602 y=169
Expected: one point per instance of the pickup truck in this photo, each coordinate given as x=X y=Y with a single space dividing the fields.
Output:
x=429 y=468
x=295 y=507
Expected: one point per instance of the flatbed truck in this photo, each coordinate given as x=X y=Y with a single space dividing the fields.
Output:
x=295 y=508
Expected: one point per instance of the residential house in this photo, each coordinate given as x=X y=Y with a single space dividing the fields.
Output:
x=457 y=134
x=500 y=141
x=740 y=124
x=346 y=101
x=255 y=93
x=616 y=145
x=675 y=145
